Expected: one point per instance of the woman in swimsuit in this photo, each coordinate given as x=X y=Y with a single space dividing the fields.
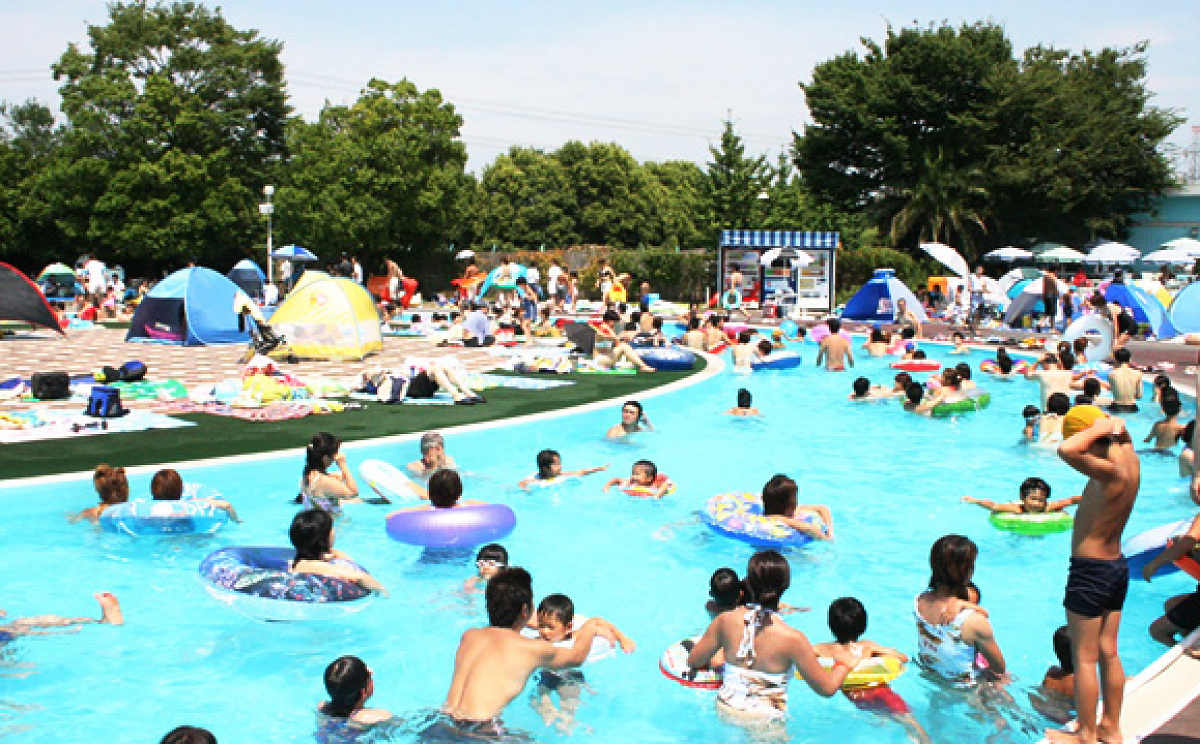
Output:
x=877 y=344
x=610 y=349
x=312 y=536
x=761 y=650
x=320 y=489
x=952 y=633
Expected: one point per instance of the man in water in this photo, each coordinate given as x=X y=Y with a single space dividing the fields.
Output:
x=1126 y=383
x=906 y=318
x=1051 y=377
x=494 y=663
x=835 y=349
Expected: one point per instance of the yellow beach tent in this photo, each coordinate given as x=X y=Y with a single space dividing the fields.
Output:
x=329 y=318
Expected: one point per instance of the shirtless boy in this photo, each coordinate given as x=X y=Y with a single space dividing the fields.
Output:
x=1035 y=499
x=493 y=664
x=779 y=503
x=1165 y=433
x=1051 y=377
x=1126 y=384
x=745 y=405
x=1099 y=447
x=835 y=349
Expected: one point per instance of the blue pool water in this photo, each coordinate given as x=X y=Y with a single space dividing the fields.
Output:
x=893 y=481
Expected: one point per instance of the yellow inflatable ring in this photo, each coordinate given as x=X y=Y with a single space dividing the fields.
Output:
x=872 y=672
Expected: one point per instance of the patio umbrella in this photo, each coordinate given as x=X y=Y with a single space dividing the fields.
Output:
x=949 y=257
x=583 y=336
x=1040 y=248
x=1062 y=254
x=294 y=253
x=1168 y=256
x=1190 y=246
x=769 y=257
x=801 y=259
x=1016 y=276
x=56 y=269
x=1115 y=253
x=1030 y=300
x=465 y=254
x=1008 y=253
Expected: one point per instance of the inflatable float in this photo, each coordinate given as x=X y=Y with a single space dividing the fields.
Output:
x=674 y=667
x=780 y=360
x=1033 y=524
x=387 y=480
x=1098 y=332
x=461 y=526
x=1147 y=546
x=974 y=400
x=739 y=516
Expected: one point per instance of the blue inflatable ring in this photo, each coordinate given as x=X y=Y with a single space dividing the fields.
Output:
x=668 y=358
x=739 y=515
x=780 y=360
x=259 y=582
x=789 y=328
x=731 y=300
x=463 y=526
x=151 y=517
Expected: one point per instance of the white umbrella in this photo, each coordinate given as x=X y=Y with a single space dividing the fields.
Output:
x=464 y=254
x=1008 y=253
x=1168 y=256
x=801 y=259
x=769 y=257
x=1062 y=254
x=1117 y=253
x=949 y=257
x=1190 y=246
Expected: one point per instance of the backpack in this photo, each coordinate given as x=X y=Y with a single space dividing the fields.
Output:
x=105 y=402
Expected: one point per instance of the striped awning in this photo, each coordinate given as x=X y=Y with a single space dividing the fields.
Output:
x=779 y=239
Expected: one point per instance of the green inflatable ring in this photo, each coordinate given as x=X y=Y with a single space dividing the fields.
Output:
x=1033 y=524
x=976 y=402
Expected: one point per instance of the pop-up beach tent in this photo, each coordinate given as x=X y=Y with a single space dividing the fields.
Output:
x=194 y=307
x=21 y=300
x=1185 y=309
x=878 y=298
x=1144 y=307
x=496 y=276
x=249 y=277
x=329 y=318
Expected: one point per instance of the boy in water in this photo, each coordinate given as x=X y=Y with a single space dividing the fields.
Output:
x=745 y=405
x=555 y=616
x=433 y=456
x=1033 y=419
x=1050 y=426
x=643 y=476
x=743 y=352
x=779 y=503
x=914 y=395
x=110 y=614
x=847 y=622
x=1166 y=433
x=490 y=559
x=863 y=390
x=167 y=485
x=1099 y=447
x=960 y=343
x=549 y=465
x=1035 y=499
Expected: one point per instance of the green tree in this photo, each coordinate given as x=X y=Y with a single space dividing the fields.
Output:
x=734 y=185
x=683 y=213
x=176 y=120
x=523 y=202
x=946 y=205
x=618 y=203
x=29 y=139
x=378 y=177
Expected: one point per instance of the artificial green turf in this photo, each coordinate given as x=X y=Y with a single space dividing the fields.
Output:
x=219 y=436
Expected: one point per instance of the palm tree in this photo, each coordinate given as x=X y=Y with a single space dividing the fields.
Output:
x=946 y=202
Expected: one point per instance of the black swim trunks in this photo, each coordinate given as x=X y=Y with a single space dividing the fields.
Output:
x=1095 y=587
x=1186 y=614
x=552 y=679
x=1123 y=407
x=449 y=730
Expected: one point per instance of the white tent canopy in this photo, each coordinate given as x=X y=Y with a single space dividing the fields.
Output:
x=1190 y=246
x=1168 y=256
x=1008 y=253
x=1062 y=254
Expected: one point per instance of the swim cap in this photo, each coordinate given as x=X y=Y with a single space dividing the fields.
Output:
x=1080 y=418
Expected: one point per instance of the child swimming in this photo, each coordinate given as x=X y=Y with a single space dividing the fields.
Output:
x=779 y=503
x=644 y=477
x=488 y=562
x=110 y=614
x=350 y=685
x=1165 y=433
x=111 y=487
x=745 y=405
x=960 y=343
x=549 y=465
x=1034 y=499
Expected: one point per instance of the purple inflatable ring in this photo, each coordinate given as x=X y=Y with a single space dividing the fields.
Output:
x=462 y=526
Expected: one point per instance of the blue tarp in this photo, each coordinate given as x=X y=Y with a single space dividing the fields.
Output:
x=193 y=306
x=877 y=299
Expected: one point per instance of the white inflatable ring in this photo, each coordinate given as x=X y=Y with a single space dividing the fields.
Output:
x=602 y=648
x=388 y=481
x=1099 y=334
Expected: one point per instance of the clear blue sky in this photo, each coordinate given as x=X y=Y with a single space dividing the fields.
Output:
x=657 y=77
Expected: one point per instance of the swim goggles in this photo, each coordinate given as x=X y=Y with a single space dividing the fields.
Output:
x=488 y=564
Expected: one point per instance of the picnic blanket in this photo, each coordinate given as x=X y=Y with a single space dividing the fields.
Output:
x=151 y=389
x=483 y=381
x=277 y=411
x=42 y=424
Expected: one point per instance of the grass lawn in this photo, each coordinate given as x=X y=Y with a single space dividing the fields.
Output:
x=218 y=436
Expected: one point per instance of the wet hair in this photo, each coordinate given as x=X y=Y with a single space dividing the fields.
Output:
x=1029 y=485
x=964 y=370
x=744 y=399
x=1030 y=412
x=111 y=485
x=346 y=679
x=904 y=379
x=508 y=593
x=1062 y=649
x=1003 y=361
x=1058 y=403
x=310 y=535
x=725 y=588
x=189 y=735
x=834 y=325
x=648 y=466
x=861 y=386
x=1162 y=381
x=1066 y=359
x=779 y=495
x=768 y=576
x=322 y=445
x=908 y=333
x=847 y=619
x=493 y=552
x=950 y=377
x=167 y=485
x=557 y=606
x=634 y=404
x=877 y=336
x=1169 y=400
x=1091 y=387
x=445 y=488
x=745 y=336
x=1122 y=356
x=431 y=439
x=545 y=459
x=951 y=563
x=764 y=347
x=915 y=392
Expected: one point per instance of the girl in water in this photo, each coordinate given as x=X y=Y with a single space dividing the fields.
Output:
x=319 y=488
x=312 y=536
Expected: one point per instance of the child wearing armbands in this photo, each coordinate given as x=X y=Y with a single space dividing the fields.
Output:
x=847 y=622
x=643 y=480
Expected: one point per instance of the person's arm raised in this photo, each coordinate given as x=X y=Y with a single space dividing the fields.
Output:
x=1075 y=450
x=574 y=655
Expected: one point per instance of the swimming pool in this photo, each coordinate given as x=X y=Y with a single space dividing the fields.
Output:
x=893 y=481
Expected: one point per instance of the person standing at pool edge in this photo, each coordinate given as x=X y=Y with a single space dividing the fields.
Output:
x=1099 y=447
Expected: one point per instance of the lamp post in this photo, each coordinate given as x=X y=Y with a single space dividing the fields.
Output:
x=269 y=209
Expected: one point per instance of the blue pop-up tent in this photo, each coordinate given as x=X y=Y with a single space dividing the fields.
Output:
x=877 y=300
x=249 y=277
x=495 y=279
x=1144 y=306
x=1185 y=309
x=193 y=306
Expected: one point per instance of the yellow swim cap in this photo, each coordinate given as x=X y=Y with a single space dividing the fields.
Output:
x=1080 y=418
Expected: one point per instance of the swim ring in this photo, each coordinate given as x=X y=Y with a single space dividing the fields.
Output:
x=917 y=365
x=1096 y=369
x=1033 y=524
x=872 y=672
x=668 y=358
x=465 y=525
x=387 y=480
x=975 y=400
x=1143 y=548
x=258 y=582
x=674 y=667
x=1098 y=332
x=731 y=300
x=601 y=649
x=151 y=517
x=789 y=328
x=780 y=360
x=990 y=366
x=739 y=515
x=649 y=492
